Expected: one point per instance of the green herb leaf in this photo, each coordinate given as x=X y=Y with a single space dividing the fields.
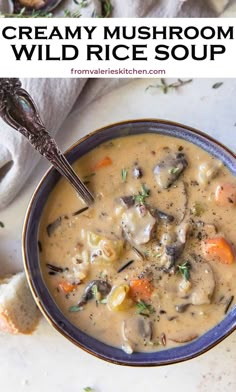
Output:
x=106 y=8
x=23 y=14
x=183 y=269
x=2 y=224
x=217 y=85
x=124 y=173
x=144 y=309
x=164 y=87
x=75 y=308
x=88 y=389
x=141 y=197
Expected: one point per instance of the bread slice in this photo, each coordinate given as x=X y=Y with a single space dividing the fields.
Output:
x=18 y=311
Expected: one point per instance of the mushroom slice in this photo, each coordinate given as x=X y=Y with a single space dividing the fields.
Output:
x=183 y=337
x=102 y=287
x=168 y=170
x=138 y=224
x=158 y=214
x=202 y=284
x=127 y=201
x=137 y=331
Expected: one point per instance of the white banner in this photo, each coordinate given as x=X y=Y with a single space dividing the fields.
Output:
x=121 y=47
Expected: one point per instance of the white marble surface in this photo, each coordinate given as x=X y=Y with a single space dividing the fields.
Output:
x=46 y=360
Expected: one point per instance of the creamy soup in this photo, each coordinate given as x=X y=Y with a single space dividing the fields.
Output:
x=151 y=264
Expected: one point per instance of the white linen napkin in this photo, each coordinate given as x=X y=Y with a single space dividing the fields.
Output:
x=55 y=98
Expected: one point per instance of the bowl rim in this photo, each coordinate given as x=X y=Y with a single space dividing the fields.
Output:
x=38 y=301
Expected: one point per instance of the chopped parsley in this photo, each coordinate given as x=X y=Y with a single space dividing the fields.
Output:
x=144 y=309
x=141 y=197
x=2 y=224
x=124 y=173
x=183 y=269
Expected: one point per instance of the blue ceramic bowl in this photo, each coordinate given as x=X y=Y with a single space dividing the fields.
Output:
x=32 y=262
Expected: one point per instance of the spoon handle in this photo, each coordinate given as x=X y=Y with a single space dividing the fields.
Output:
x=18 y=110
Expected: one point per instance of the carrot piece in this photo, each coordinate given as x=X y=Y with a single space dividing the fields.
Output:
x=107 y=161
x=218 y=248
x=225 y=194
x=66 y=287
x=140 y=289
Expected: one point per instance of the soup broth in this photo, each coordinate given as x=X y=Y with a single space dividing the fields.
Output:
x=151 y=264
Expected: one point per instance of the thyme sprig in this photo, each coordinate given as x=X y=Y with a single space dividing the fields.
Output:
x=141 y=197
x=124 y=173
x=144 y=309
x=24 y=14
x=165 y=87
x=184 y=270
x=106 y=8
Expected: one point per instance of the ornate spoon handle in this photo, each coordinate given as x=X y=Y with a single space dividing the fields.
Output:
x=18 y=110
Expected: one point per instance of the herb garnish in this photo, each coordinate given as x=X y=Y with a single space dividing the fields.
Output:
x=75 y=308
x=22 y=14
x=164 y=87
x=141 y=197
x=106 y=8
x=183 y=269
x=124 y=173
x=174 y=170
x=144 y=309
x=217 y=85
x=2 y=224
x=88 y=389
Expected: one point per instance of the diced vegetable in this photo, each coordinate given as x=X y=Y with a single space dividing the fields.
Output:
x=220 y=249
x=93 y=239
x=107 y=161
x=104 y=249
x=66 y=287
x=168 y=170
x=140 y=289
x=225 y=195
x=118 y=298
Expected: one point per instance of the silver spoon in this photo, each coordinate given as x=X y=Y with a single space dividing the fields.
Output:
x=18 y=110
